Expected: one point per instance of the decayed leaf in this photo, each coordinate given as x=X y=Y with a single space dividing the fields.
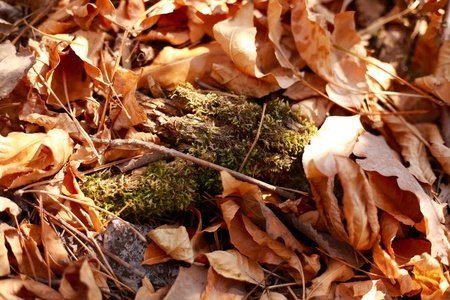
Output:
x=233 y=265
x=189 y=285
x=174 y=241
x=78 y=282
x=145 y=294
x=438 y=83
x=380 y=158
x=154 y=255
x=272 y=296
x=222 y=288
x=26 y=158
x=13 y=66
x=336 y=271
x=19 y=289
x=237 y=36
x=413 y=150
x=345 y=73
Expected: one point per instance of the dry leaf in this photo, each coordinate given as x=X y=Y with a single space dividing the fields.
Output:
x=367 y=290
x=389 y=227
x=233 y=265
x=13 y=66
x=336 y=271
x=10 y=207
x=345 y=73
x=438 y=82
x=4 y=261
x=25 y=289
x=222 y=288
x=78 y=282
x=413 y=150
x=59 y=258
x=189 y=285
x=384 y=262
x=174 y=241
x=237 y=38
x=26 y=158
x=145 y=294
x=380 y=158
x=428 y=272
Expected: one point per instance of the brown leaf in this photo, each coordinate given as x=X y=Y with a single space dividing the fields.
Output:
x=172 y=65
x=413 y=149
x=222 y=288
x=26 y=158
x=174 y=241
x=428 y=272
x=59 y=258
x=380 y=158
x=78 y=282
x=10 y=207
x=237 y=38
x=369 y=289
x=233 y=265
x=336 y=271
x=4 y=261
x=384 y=262
x=19 y=289
x=145 y=294
x=389 y=227
x=438 y=82
x=345 y=73
x=154 y=255
x=189 y=285
x=358 y=202
x=13 y=66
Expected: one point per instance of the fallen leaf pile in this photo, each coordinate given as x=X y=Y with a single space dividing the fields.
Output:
x=376 y=223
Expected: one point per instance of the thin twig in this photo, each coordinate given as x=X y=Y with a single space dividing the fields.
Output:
x=175 y=153
x=256 y=138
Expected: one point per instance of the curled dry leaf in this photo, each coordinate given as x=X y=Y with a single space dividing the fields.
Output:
x=233 y=265
x=174 y=241
x=384 y=262
x=336 y=271
x=189 y=285
x=413 y=149
x=237 y=38
x=19 y=289
x=10 y=207
x=380 y=158
x=428 y=272
x=13 y=66
x=220 y=287
x=78 y=282
x=438 y=82
x=344 y=72
x=364 y=290
x=26 y=158
x=4 y=260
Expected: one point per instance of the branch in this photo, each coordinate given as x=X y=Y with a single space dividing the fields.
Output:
x=175 y=153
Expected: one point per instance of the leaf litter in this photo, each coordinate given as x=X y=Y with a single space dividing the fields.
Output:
x=360 y=212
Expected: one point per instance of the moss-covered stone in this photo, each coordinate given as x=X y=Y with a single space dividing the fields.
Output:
x=216 y=128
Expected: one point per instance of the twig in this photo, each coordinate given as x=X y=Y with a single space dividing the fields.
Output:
x=256 y=138
x=175 y=153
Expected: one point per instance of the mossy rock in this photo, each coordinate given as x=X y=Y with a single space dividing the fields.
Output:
x=216 y=128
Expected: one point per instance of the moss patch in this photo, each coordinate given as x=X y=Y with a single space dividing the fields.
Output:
x=219 y=129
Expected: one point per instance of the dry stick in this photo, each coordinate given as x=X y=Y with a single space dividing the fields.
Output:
x=175 y=153
x=256 y=138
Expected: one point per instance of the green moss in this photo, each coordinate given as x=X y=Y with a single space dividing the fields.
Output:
x=215 y=128
x=163 y=188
